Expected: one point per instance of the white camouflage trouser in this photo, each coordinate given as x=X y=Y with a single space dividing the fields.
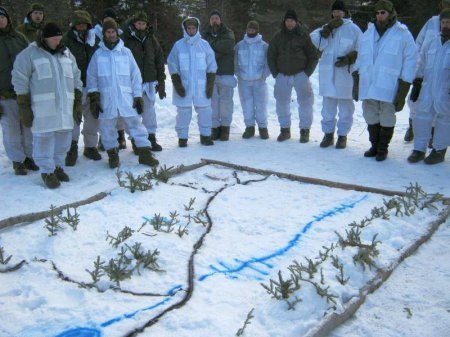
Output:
x=90 y=125
x=378 y=112
x=222 y=100
x=422 y=123
x=330 y=110
x=17 y=139
x=50 y=148
x=253 y=97
x=184 y=116
x=134 y=126
x=305 y=99
x=149 y=114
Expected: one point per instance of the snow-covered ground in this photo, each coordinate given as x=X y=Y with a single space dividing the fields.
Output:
x=258 y=229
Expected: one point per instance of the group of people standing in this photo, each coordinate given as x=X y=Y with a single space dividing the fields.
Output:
x=110 y=77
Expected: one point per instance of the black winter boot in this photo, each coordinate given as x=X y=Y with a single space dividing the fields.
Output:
x=341 y=142
x=328 y=140
x=100 y=146
x=409 y=135
x=19 y=169
x=386 y=134
x=249 y=132
x=304 y=135
x=224 y=133
x=155 y=146
x=285 y=134
x=374 y=138
x=182 y=142
x=416 y=156
x=134 y=147
x=215 y=133
x=121 y=139
x=72 y=155
x=113 y=157
x=60 y=174
x=146 y=157
x=92 y=153
x=206 y=140
x=430 y=142
x=263 y=133
x=50 y=180
x=435 y=157
x=30 y=164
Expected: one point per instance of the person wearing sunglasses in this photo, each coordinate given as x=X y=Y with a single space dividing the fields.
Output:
x=385 y=69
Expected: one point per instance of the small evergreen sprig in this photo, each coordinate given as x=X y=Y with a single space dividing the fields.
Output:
x=122 y=236
x=138 y=183
x=120 y=268
x=3 y=259
x=144 y=259
x=162 y=174
x=73 y=220
x=250 y=316
x=282 y=289
x=98 y=271
x=52 y=224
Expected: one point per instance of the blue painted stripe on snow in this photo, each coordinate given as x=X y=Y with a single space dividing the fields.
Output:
x=249 y=263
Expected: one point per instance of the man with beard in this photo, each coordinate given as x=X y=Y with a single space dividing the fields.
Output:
x=147 y=52
x=33 y=22
x=114 y=86
x=292 y=58
x=431 y=90
x=385 y=68
x=192 y=67
x=221 y=40
x=47 y=82
x=82 y=43
x=17 y=139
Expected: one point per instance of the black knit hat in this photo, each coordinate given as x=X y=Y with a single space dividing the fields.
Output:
x=338 y=5
x=290 y=14
x=4 y=12
x=51 y=29
x=215 y=12
x=109 y=13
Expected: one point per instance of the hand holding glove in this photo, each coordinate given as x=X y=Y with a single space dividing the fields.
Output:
x=138 y=104
x=210 y=78
x=25 y=112
x=161 y=89
x=94 y=104
x=328 y=28
x=78 y=107
x=402 y=91
x=176 y=80
x=415 y=91
x=346 y=60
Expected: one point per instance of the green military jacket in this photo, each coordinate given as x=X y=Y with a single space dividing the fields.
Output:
x=11 y=44
x=82 y=51
x=147 y=52
x=223 y=45
x=29 y=30
x=291 y=52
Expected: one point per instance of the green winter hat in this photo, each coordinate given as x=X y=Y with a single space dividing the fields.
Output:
x=81 y=16
x=253 y=24
x=36 y=7
x=445 y=14
x=384 y=5
x=190 y=22
x=109 y=23
x=140 y=16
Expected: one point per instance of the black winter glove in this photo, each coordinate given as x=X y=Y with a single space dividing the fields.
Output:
x=25 y=112
x=402 y=91
x=210 y=78
x=94 y=104
x=161 y=89
x=138 y=104
x=346 y=60
x=176 y=80
x=355 y=90
x=415 y=91
x=328 y=28
x=78 y=107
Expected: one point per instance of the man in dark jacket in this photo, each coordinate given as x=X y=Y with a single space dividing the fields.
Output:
x=221 y=40
x=138 y=37
x=292 y=58
x=82 y=42
x=34 y=21
x=17 y=139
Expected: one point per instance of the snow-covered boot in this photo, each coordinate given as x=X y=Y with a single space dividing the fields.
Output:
x=328 y=140
x=386 y=134
x=92 y=153
x=435 y=157
x=263 y=133
x=224 y=133
x=341 y=142
x=72 y=155
x=374 y=137
x=113 y=157
x=50 y=180
x=215 y=133
x=249 y=132
x=206 y=140
x=155 y=146
x=285 y=134
x=19 y=169
x=416 y=156
x=30 y=164
x=304 y=135
x=146 y=157
x=60 y=174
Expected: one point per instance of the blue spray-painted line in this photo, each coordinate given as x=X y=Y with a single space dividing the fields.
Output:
x=228 y=271
x=249 y=264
